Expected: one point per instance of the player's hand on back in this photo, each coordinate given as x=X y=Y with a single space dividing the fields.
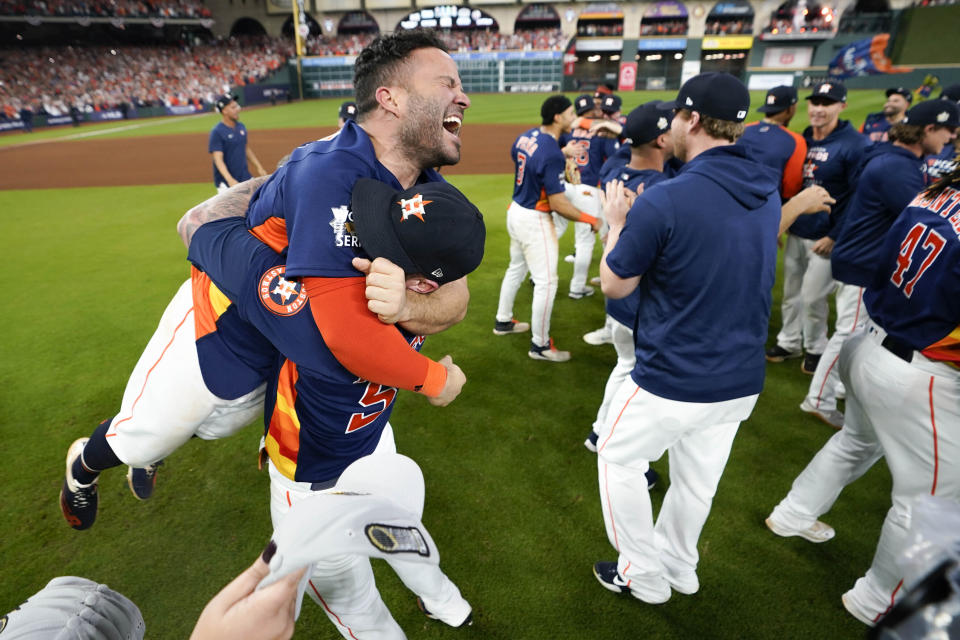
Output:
x=386 y=288
x=823 y=247
x=815 y=199
x=455 y=381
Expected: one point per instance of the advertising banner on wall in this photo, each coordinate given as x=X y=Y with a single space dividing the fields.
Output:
x=787 y=57
x=628 y=76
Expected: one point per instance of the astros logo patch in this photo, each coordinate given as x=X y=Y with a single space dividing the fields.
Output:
x=413 y=207
x=281 y=296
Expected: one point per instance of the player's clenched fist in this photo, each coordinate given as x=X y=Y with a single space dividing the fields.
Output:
x=455 y=381
x=386 y=288
x=617 y=200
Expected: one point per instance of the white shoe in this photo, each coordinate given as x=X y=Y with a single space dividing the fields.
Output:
x=817 y=532
x=569 y=259
x=548 y=352
x=510 y=326
x=595 y=281
x=598 y=337
x=849 y=601
x=586 y=292
x=832 y=417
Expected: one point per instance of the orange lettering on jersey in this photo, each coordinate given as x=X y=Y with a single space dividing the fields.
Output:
x=372 y=396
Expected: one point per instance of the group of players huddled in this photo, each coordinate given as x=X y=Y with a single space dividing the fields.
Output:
x=871 y=216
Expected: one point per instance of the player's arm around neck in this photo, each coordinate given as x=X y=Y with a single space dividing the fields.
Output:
x=429 y=313
x=232 y=203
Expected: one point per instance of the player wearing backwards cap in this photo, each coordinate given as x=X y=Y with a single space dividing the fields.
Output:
x=773 y=144
x=229 y=148
x=320 y=416
x=946 y=161
x=699 y=335
x=588 y=151
x=834 y=150
x=902 y=376
x=876 y=125
x=891 y=175
x=538 y=189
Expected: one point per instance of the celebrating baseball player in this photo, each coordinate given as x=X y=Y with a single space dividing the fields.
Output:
x=538 y=189
x=892 y=174
x=705 y=275
x=903 y=393
x=834 y=150
x=876 y=125
x=773 y=144
x=228 y=147
x=946 y=161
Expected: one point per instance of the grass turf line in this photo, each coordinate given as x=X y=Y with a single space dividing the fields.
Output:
x=511 y=492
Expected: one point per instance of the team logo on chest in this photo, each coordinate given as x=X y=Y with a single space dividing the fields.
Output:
x=281 y=296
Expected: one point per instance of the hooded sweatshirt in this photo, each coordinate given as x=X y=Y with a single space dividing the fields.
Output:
x=832 y=164
x=889 y=178
x=705 y=243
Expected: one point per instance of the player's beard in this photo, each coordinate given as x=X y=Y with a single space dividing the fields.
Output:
x=423 y=137
x=890 y=111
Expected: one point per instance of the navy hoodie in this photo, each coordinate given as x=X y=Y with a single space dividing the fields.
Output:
x=705 y=243
x=832 y=164
x=889 y=178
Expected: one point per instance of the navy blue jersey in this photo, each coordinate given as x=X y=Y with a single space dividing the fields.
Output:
x=619 y=158
x=320 y=417
x=832 y=164
x=875 y=127
x=780 y=149
x=624 y=310
x=594 y=151
x=304 y=207
x=890 y=178
x=941 y=164
x=707 y=274
x=232 y=142
x=915 y=295
x=539 y=169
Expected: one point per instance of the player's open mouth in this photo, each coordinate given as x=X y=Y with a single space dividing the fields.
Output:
x=452 y=124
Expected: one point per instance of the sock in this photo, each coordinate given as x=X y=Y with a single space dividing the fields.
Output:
x=97 y=456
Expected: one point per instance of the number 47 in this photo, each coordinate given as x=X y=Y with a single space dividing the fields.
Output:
x=933 y=242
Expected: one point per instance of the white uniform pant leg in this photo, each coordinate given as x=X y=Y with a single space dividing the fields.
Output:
x=639 y=428
x=587 y=200
x=791 y=308
x=166 y=401
x=845 y=457
x=516 y=272
x=537 y=240
x=440 y=595
x=622 y=337
x=815 y=291
x=851 y=315
x=560 y=223
x=344 y=586
x=915 y=408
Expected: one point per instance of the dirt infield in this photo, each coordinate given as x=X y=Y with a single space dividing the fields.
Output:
x=178 y=159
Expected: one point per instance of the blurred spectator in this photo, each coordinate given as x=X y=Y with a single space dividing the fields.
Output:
x=661 y=27
x=106 y=8
x=723 y=27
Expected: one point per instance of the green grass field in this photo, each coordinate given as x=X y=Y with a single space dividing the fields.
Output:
x=512 y=496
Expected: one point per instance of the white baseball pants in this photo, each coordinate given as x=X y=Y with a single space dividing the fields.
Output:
x=910 y=414
x=807 y=282
x=622 y=336
x=166 y=401
x=639 y=428
x=587 y=200
x=345 y=586
x=851 y=316
x=533 y=246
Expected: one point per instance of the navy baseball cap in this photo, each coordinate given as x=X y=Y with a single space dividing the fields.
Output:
x=779 y=99
x=833 y=91
x=718 y=95
x=554 y=106
x=583 y=104
x=648 y=121
x=951 y=93
x=429 y=229
x=348 y=111
x=940 y=112
x=906 y=93
x=224 y=100
x=611 y=104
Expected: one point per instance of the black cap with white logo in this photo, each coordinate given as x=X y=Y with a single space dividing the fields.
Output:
x=583 y=104
x=900 y=91
x=348 y=111
x=648 y=121
x=941 y=112
x=718 y=95
x=779 y=99
x=430 y=229
x=833 y=91
x=611 y=103
x=224 y=100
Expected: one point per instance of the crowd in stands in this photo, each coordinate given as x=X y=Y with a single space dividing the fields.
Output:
x=460 y=41
x=663 y=27
x=52 y=80
x=599 y=30
x=728 y=27
x=106 y=8
x=783 y=25
x=346 y=45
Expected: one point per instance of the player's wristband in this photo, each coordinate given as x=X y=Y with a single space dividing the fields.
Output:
x=436 y=380
x=586 y=217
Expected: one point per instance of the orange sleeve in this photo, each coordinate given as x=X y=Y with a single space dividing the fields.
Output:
x=793 y=170
x=365 y=346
